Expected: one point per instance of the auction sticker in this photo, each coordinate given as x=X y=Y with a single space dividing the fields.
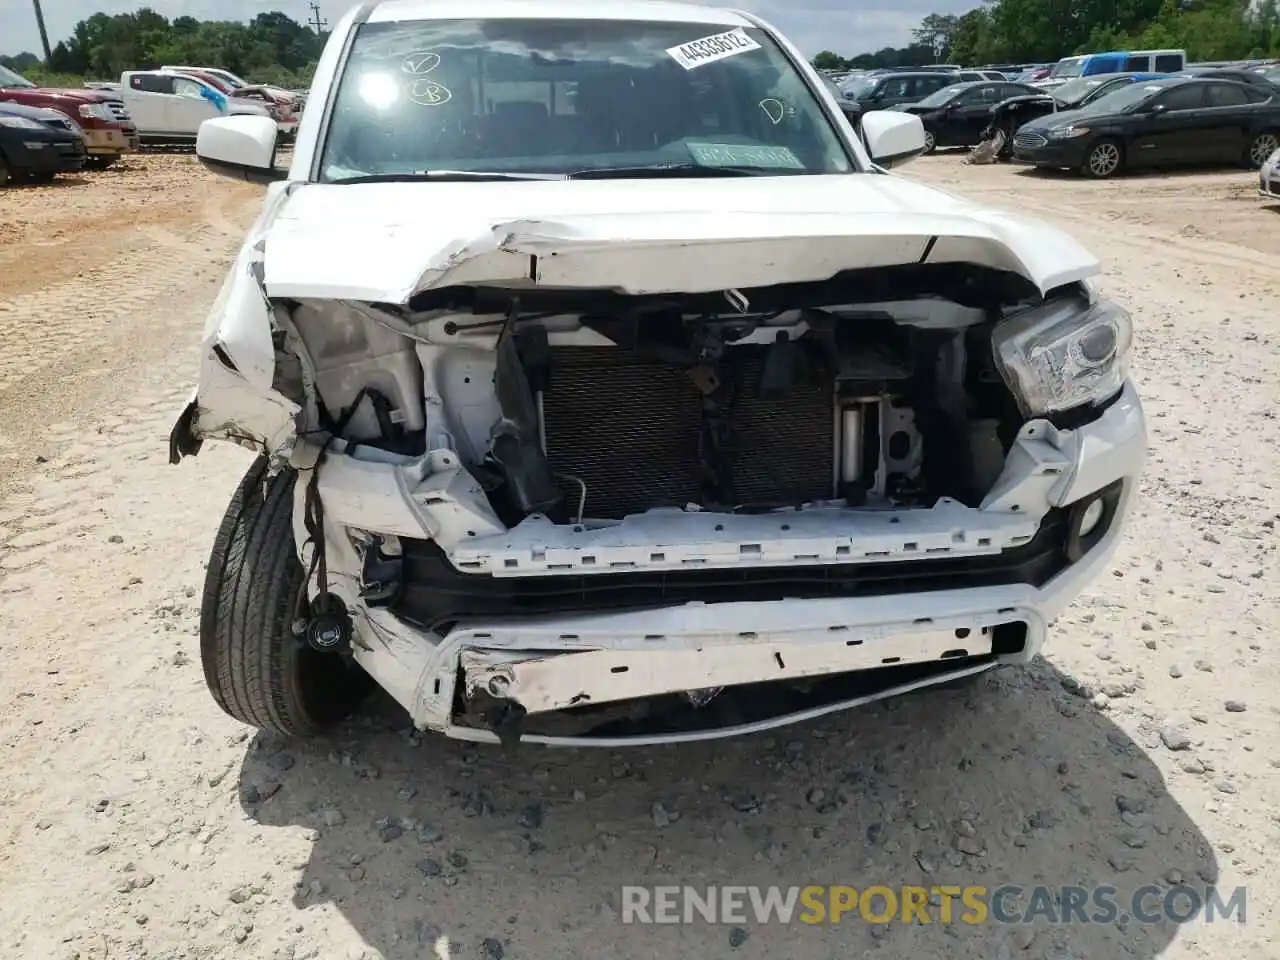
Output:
x=710 y=49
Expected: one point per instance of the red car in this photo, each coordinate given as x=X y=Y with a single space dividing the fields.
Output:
x=109 y=133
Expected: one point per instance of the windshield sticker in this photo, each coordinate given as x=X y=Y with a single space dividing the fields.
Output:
x=710 y=49
x=740 y=155
x=774 y=109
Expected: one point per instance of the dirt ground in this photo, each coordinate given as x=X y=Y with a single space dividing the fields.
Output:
x=136 y=820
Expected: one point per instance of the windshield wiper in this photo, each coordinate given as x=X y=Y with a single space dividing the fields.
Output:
x=445 y=176
x=668 y=170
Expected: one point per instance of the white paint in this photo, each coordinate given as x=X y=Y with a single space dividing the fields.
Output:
x=386 y=241
x=706 y=50
x=542 y=682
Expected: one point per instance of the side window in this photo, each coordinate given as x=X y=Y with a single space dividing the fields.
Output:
x=1225 y=95
x=187 y=88
x=977 y=96
x=1169 y=63
x=927 y=85
x=896 y=87
x=150 y=83
x=1139 y=64
x=1187 y=97
x=1012 y=90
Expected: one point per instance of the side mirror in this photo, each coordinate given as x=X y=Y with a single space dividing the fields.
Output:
x=241 y=146
x=892 y=137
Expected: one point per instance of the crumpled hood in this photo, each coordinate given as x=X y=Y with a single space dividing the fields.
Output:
x=387 y=241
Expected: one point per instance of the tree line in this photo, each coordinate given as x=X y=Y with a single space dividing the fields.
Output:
x=1041 y=31
x=274 y=48
x=270 y=48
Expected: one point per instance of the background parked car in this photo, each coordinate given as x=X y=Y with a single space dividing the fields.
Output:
x=891 y=89
x=108 y=130
x=37 y=143
x=169 y=107
x=287 y=103
x=1268 y=84
x=955 y=116
x=1156 y=123
x=1007 y=116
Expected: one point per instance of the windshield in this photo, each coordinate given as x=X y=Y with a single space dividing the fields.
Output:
x=939 y=97
x=859 y=87
x=10 y=79
x=563 y=96
x=1075 y=91
x=1067 y=68
x=1120 y=100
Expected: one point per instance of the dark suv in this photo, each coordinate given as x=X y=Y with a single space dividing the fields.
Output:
x=891 y=89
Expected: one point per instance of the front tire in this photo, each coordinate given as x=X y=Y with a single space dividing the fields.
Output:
x=1261 y=148
x=930 y=143
x=1104 y=159
x=257 y=671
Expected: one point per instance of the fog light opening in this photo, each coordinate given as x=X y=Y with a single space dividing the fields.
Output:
x=1091 y=517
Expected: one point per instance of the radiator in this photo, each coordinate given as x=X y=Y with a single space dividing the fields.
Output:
x=629 y=429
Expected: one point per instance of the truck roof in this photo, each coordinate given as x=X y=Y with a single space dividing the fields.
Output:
x=389 y=11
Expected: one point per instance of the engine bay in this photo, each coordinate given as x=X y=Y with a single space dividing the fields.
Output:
x=589 y=409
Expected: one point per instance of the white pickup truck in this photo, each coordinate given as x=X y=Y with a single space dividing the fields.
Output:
x=610 y=388
x=168 y=107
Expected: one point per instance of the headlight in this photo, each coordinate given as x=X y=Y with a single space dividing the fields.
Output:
x=21 y=123
x=93 y=110
x=1063 y=354
x=1067 y=133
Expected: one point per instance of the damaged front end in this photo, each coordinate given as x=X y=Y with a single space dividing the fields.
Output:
x=560 y=507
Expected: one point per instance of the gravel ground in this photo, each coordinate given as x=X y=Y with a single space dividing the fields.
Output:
x=139 y=821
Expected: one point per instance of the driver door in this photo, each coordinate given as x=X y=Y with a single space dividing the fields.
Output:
x=1171 y=130
x=969 y=115
x=191 y=106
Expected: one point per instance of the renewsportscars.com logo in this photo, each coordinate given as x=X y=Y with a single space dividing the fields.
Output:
x=973 y=905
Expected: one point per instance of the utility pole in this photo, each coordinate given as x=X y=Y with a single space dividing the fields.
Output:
x=316 y=21
x=44 y=34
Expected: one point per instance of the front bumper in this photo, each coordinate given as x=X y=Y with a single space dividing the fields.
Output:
x=111 y=142
x=1068 y=153
x=41 y=155
x=541 y=661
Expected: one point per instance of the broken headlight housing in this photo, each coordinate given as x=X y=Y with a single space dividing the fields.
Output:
x=1063 y=354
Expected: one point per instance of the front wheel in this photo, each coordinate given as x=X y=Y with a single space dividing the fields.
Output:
x=1261 y=148
x=1104 y=159
x=930 y=144
x=256 y=669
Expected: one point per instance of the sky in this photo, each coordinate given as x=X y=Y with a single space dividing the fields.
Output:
x=847 y=27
